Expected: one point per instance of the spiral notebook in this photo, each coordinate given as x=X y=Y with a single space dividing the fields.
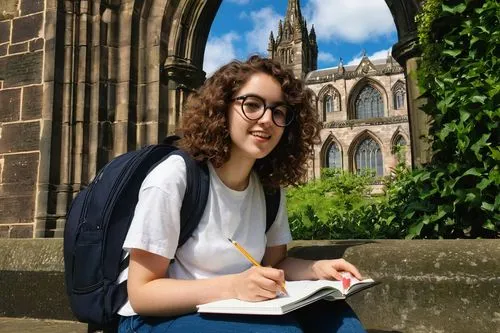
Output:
x=300 y=293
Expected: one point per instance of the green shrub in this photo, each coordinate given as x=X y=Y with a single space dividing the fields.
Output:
x=457 y=194
x=340 y=206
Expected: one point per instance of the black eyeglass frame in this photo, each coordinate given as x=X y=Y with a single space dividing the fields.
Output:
x=290 y=114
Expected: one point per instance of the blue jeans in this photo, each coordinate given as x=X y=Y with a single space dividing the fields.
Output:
x=319 y=317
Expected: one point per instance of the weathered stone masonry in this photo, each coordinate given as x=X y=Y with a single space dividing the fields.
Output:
x=23 y=38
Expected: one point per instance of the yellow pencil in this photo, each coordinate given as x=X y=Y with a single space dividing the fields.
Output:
x=251 y=259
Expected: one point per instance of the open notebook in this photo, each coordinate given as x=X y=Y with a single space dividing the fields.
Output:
x=300 y=293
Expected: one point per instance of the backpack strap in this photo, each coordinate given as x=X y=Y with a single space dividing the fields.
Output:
x=196 y=196
x=273 y=197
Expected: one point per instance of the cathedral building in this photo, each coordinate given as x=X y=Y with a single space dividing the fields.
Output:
x=363 y=107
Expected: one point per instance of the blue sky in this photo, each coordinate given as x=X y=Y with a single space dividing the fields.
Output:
x=344 y=28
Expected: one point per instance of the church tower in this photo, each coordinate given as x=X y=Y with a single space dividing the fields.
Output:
x=294 y=46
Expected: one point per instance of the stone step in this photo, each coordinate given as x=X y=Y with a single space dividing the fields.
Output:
x=30 y=325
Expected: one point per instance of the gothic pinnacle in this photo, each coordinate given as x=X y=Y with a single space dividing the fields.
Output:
x=312 y=34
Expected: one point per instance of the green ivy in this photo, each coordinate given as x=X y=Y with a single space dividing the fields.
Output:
x=457 y=194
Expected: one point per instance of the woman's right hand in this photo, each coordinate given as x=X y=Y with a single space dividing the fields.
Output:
x=258 y=283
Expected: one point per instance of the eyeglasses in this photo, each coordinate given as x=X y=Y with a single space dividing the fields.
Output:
x=254 y=107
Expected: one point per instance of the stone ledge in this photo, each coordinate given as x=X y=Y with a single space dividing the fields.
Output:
x=427 y=285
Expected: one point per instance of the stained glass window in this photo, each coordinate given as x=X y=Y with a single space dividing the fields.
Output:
x=328 y=103
x=334 y=157
x=369 y=157
x=399 y=142
x=369 y=104
x=398 y=95
x=336 y=102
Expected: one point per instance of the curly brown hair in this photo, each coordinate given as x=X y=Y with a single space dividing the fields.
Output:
x=205 y=126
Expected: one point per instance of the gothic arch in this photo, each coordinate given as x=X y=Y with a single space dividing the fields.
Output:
x=112 y=95
x=398 y=95
x=358 y=88
x=398 y=84
x=328 y=142
x=119 y=62
x=395 y=137
x=366 y=134
x=185 y=35
x=336 y=105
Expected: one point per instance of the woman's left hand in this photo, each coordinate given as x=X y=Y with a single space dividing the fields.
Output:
x=331 y=269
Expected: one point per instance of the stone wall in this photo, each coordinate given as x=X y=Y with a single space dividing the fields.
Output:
x=347 y=139
x=22 y=44
x=427 y=286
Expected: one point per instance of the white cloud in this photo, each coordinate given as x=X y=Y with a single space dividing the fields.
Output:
x=239 y=2
x=381 y=54
x=219 y=51
x=326 y=57
x=264 y=21
x=354 y=21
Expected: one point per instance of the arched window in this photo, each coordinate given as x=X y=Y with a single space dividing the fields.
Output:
x=399 y=142
x=334 y=157
x=369 y=103
x=336 y=102
x=398 y=96
x=368 y=156
x=328 y=103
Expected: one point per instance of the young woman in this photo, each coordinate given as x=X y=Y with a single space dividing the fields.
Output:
x=253 y=123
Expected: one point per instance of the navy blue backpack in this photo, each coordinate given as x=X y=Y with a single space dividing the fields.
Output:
x=98 y=221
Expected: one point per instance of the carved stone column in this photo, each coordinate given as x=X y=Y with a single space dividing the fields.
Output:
x=178 y=80
x=407 y=52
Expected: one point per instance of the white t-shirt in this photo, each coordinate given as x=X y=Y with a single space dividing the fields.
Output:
x=239 y=215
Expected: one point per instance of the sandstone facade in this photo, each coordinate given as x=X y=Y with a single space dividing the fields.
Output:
x=350 y=141
x=345 y=131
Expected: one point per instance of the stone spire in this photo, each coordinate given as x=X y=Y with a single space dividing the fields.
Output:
x=270 y=45
x=271 y=38
x=341 y=68
x=312 y=35
x=293 y=13
x=389 y=59
x=294 y=46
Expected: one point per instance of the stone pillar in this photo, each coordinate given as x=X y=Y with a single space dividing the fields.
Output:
x=179 y=79
x=406 y=53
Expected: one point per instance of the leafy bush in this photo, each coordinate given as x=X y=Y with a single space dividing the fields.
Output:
x=340 y=206
x=458 y=192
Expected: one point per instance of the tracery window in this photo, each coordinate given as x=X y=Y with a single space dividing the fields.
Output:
x=334 y=156
x=398 y=96
x=368 y=156
x=331 y=100
x=369 y=104
x=399 y=142
x=336 y=102
x=328 y=103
